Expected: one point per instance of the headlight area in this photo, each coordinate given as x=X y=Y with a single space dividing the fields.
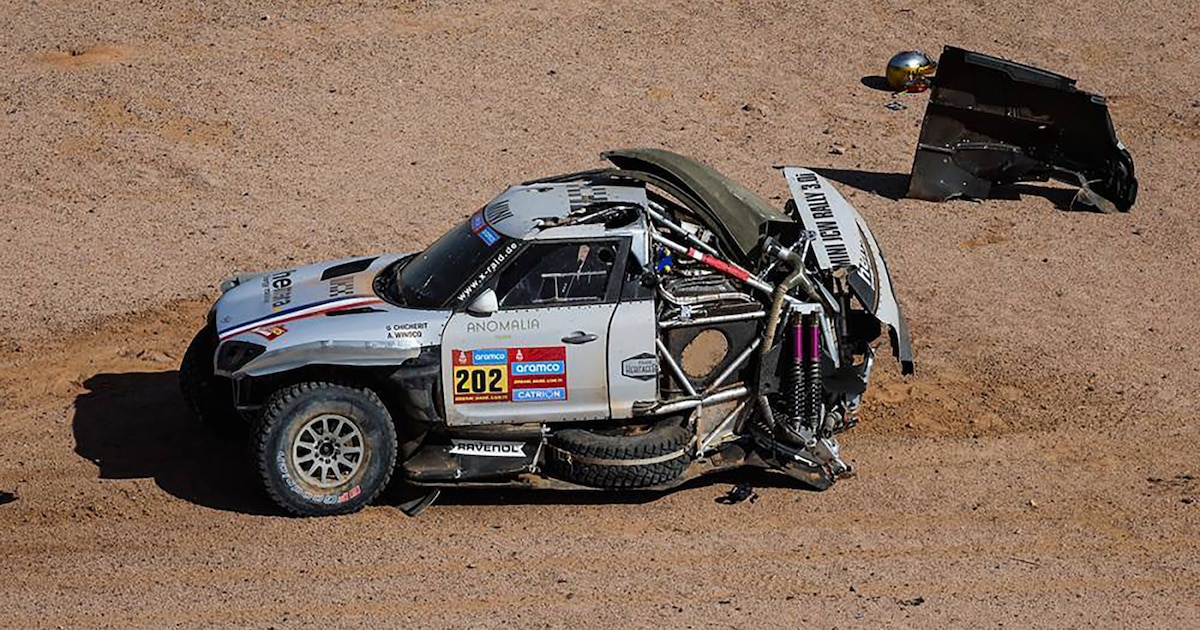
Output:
x=233 y=355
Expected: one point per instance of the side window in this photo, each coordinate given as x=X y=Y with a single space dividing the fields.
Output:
x=558 y=273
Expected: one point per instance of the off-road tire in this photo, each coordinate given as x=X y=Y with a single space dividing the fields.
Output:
x=209 y=397
x=285 y=415
x=573 y=454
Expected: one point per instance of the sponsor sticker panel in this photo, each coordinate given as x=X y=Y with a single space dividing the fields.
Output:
x=484 y=375
x=478 y=376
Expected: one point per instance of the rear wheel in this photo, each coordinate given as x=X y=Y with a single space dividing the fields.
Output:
x=209 y=397
x=621 y=457
x=325 y=448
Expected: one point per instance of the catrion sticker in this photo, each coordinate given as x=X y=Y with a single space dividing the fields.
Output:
x=509 y=375
x=540 y=394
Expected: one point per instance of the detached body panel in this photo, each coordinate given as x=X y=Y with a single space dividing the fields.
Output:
x=991 y=121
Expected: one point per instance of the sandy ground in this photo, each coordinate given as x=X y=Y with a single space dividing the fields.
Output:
x=1040 y=469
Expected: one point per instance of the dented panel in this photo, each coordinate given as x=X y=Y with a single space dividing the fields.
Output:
x=844 y=242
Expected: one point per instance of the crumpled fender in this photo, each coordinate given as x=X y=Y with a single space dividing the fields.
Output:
x=844 y=242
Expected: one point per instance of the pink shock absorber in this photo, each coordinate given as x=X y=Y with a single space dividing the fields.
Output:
x=814 y=340
x=797 y=342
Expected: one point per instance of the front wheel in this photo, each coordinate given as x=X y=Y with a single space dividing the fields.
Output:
x=325 y=448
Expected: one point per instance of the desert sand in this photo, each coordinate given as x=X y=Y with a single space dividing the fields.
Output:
x=1040 y=469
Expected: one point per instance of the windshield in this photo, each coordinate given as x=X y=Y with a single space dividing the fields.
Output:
x=433 y=278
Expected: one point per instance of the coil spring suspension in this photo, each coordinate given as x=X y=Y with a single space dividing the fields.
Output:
x=812 y=371
x=796 y=391
x=803 y=391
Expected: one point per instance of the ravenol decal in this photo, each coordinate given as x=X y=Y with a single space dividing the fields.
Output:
x=509 y=375
x=487 y=448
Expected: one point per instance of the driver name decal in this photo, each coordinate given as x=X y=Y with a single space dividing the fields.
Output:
x=509 y=375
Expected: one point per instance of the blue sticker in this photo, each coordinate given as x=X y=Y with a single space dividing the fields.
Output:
x=547 y=394
x=489 y=357
x=537 y=368
x=489 y=236
x=477 y=221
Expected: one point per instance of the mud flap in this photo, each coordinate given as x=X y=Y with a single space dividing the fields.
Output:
x=992 y=122
x=414 y=507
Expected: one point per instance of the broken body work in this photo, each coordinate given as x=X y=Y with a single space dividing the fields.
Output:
x=549 y=340
x=991 y=121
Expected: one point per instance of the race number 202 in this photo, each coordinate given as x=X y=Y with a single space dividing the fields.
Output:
x=480 y=383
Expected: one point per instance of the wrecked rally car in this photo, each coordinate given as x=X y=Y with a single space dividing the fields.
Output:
x=625 y=328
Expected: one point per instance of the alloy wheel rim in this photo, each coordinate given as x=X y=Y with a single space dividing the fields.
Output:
x=328 y=450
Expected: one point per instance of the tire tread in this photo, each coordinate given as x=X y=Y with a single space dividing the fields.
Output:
x=272 y=413
x=665 y=437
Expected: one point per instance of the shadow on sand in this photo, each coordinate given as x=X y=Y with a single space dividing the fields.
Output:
x=752 y=477
x=135 y=425
x=876 y=82
x=894 y=186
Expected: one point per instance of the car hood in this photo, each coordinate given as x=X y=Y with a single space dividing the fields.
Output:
x=252 y=301
x=738 y=216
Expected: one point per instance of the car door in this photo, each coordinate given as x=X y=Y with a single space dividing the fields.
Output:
x=542 y=356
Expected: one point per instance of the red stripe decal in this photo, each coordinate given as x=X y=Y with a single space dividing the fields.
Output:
x=336 y=306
